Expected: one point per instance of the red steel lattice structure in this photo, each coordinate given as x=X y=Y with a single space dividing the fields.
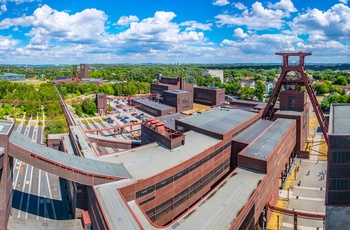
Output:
x=300 y=81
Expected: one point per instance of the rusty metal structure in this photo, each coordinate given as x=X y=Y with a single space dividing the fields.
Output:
x=299 y=79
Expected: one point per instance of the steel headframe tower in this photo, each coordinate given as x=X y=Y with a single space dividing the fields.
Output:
x=300 y=81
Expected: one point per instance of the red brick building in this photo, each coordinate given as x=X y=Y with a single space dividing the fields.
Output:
x=209 y=95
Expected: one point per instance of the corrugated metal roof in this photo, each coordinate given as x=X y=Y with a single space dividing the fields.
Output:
x=152 y=104
x=219 y=120
x=264 y=145
x=250 y=133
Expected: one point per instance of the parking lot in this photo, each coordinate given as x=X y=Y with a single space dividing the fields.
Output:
x=124 y=114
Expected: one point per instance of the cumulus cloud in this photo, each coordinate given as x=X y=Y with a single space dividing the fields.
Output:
x=3 y=8
x=158 y=29
x=286 y=5
x=7 y=43
x=240 y=6
x=126 y=20
x=258 y=17
x=264 y=44
x=333 y=23
x=193 y=25
x=221 y=2
x=47 y=24
x=344 y=1
x=239 y=33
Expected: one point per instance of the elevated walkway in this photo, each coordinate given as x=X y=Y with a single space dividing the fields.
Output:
x=74 y=168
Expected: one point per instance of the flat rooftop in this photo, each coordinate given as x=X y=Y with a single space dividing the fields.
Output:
x=219 y=209
x=81 y=163
x=5 y=126
x=289 y=112
x=340 y=119
x=267 y=141
x=149 y=160
x=177 y=91
x=152 y=104
x=219 y=120
x=253 y=131
x=208 y=88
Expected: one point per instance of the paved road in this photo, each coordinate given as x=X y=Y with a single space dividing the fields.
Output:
x=37 y=195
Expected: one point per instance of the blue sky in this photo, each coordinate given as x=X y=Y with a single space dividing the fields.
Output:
x=172 y=31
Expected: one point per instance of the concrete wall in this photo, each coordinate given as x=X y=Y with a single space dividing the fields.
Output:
x=337 y=217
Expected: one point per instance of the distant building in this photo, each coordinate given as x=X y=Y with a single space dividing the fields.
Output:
x=168 y=83
x=249 y=83
x=180 y=99
x=153 y=108
x=101 y=103
x=84 y=71
x=12 y=77
x=214 y=73
x=209 y=95
x=269 y=87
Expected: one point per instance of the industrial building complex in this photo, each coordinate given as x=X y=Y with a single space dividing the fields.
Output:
x=218 y=169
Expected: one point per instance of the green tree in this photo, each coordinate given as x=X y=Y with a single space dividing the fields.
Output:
x=341 y=80
x=259 y=90
x=89 y=106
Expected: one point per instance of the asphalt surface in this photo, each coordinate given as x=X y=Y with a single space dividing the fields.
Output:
x=37 y=195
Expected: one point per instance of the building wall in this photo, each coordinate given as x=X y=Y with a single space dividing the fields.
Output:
x=101 y=102
x=338 y=178
x=182 y=101
x=149 y=135
x=159 y=88
x=84 y=71
x=6 y=177
x=165 y=196
x=153 y=111
x=96 y=214
x=294 y=100
x=209 y=96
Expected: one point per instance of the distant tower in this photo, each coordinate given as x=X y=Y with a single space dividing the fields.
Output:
x=101 y=103
x=84 y=71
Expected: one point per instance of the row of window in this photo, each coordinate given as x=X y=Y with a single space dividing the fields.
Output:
x=340 y=157
x=174 y=202
x=177 y=176
x=339 y=184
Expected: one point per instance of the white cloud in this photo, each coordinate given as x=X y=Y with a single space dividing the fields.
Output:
x=344 y=1
x=333 y=23
x=286 y=5
x=240 y=6
x=264 y=44
x=159 y=30
x=126 y=20
x=20 y=1
x=221 y=2
x=3 y=8
x=257 y=18
x=239 y=33
x=193 y=25
x=7 y=43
